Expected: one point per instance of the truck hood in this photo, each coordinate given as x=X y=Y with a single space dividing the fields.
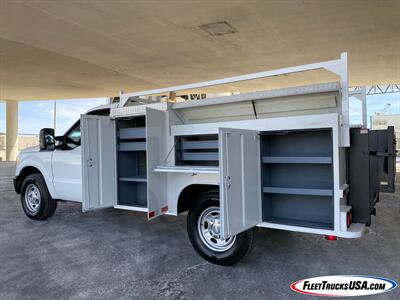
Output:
x=30 y=149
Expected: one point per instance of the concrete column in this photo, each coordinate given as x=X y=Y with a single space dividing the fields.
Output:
x=364 y=106
x=11 y=130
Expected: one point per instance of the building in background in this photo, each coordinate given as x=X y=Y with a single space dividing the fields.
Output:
x=24 y=141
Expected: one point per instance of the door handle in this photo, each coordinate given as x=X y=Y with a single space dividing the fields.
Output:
x=90 y=162
x=228 y=182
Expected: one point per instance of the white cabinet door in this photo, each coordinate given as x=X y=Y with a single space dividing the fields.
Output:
x=240 y=180
x=156 y=139
x=98 y=162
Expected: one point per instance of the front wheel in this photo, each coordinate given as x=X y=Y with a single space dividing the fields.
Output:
x=203 y=226
x=35 y=198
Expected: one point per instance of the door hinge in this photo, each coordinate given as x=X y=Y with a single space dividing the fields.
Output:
x=341 y=120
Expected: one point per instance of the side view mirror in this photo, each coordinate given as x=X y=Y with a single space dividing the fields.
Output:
x=46 y=139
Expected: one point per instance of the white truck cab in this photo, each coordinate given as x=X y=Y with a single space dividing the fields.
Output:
x=60 y=165
x=284 y=159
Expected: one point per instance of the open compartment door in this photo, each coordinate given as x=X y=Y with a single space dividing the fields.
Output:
x=386 y=153
x=156 y=137
x=240 y=180
x=98 y=162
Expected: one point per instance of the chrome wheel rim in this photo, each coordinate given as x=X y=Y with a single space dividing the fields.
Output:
x=32 y=198
x=209 y=228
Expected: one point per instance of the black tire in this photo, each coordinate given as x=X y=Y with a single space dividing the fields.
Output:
x=46 y=205
x=242 y=245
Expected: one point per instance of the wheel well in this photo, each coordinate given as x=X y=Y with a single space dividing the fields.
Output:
x=190 y=194
x=25 y=172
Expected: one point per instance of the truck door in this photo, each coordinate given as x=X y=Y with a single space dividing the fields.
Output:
x=98 y=162
x=156 y=139
x=240 y=180
x=66 y=166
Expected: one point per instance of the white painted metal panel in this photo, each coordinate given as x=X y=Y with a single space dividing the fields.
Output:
x=262 y=95
x=156 y=138
x=240 y=192
x=264 y=108
x=135 y=110
x=67 y=174
x=269 y=124
x=98 y=162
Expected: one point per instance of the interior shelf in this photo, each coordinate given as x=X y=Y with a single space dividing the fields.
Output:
x=297 y=159
x=133 y=146
x=298 y=191
x=187 y=169
x=292 y=222
x=207 y=144
x=195 y=156
x=132 y=133
x=133 y=179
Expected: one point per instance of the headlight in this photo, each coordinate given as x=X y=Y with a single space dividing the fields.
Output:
x=18 y=159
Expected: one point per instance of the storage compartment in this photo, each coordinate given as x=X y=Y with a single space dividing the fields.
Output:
x=298 y=210
x=199 y=150
x=132 y=177
x=297 y=178
x=132 y=164
x=132 y=193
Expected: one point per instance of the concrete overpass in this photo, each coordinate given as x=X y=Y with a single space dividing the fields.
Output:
x=64 y=49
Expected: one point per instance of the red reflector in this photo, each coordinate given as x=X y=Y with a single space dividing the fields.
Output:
x=152 y=214
x=348 y=219
x=331 y=237
x=164 y=209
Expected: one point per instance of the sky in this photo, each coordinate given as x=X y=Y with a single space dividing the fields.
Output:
x=375 y=104
x=35 y=115
x=39 y=114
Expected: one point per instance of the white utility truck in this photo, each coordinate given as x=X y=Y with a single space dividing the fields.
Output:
x=284 y=159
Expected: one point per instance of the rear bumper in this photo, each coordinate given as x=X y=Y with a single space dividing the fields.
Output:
x=17 y=184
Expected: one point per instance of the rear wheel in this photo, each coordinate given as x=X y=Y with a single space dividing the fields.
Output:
x=35 y=198
x=204 y=230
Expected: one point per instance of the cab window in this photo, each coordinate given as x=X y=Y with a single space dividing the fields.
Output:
x=73 y=139
x=73 y=136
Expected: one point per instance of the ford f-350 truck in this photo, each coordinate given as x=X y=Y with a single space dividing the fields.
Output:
x=284 y=159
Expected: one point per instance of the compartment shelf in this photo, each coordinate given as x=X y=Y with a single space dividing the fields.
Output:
x=297 y=159
x=206 y=156
x=297 y=191
x=209 y=144
x=133 y=179
x=301 y=223
x=132 y=133
x=133 y=146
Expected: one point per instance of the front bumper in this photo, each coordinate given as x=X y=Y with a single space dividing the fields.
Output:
x=17 y=184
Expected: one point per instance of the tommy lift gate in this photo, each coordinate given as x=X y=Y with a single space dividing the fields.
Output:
x=284 y=159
